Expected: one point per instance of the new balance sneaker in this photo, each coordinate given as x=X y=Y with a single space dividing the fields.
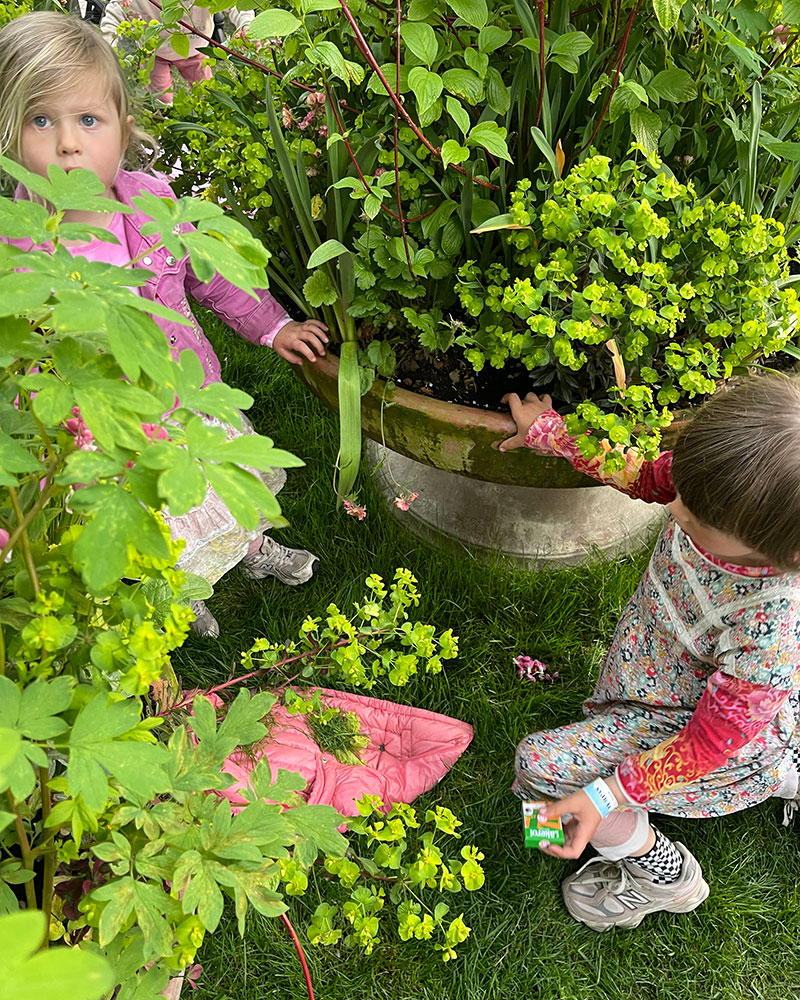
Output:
x=604 y=894
x=204 y=624
x=290 y=566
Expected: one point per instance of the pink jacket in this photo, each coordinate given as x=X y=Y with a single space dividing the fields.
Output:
x=173 y=281
x=410 y=750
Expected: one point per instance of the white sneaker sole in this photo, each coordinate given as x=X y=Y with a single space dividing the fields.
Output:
x=686 y=905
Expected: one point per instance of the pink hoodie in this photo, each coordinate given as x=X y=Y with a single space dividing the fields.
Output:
x=173 y=281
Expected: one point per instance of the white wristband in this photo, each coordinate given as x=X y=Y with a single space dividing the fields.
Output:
x=601 y=797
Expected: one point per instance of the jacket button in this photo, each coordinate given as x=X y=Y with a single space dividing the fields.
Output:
x=171 y=261
x=173 y=340
x=147 y=261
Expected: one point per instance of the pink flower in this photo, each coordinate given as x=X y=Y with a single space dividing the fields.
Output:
x=533 y=670
x=3 y=542
x=316 y=97
x=308 y=120
x=402 y=502
x=84 y=439
x=193 y=973
x=154 y=432
x=287 y=117
x=354 y=510
x=323 y=131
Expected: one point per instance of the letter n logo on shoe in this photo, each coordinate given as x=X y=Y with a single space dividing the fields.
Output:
x=632 y=899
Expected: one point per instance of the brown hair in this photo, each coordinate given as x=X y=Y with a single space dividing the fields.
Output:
x=736 y=466
x=45 y=53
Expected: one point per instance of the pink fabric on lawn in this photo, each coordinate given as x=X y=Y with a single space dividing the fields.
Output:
x=410 y=750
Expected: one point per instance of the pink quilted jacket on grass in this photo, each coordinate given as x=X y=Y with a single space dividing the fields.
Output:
x=410 y=750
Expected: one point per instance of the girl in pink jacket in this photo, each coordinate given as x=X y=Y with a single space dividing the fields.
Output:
x=64 y=101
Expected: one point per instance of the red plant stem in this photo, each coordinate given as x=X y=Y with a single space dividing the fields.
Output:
x=615 y=81
x=449 y=22
x=359 y=171
x=301 y=955
x=361 y=42
x=396 y=152
x=540 y=7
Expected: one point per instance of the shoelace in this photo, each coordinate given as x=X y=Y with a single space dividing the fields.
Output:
x=610 y=876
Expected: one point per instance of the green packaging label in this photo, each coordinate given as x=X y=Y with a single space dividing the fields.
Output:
x=536 y=831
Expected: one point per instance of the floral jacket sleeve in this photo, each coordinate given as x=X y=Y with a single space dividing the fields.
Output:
x=650 y=481
x=734 y=709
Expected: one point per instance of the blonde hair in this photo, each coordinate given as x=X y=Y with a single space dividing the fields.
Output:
x=736 y=466
x=46 y=53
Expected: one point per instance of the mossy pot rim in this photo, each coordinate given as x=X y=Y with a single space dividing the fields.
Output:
x=447 y=436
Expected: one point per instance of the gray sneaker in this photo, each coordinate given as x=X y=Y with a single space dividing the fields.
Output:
x=604 y=894
x=204 y=624
x=290 y=566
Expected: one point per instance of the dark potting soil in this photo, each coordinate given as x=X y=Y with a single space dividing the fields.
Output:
x=448 y=376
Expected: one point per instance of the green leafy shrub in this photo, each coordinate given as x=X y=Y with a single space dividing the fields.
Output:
x=107 y=824
x=624 y=259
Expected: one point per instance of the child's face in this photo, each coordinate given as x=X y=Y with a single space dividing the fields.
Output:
x=81 y=128
x=716 y=543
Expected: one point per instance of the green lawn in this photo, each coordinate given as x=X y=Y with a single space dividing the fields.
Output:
x=742 y=943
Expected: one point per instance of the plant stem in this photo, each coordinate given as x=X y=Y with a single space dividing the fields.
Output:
x=44 y=496
x=615 y=81
x=361 y=42
x=25 y=848
x=396 y=153
x=26 y=542
x=540 y=7
x=301 y=955
x=49 y=857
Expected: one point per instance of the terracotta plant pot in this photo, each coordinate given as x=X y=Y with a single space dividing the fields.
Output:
x=536 y=509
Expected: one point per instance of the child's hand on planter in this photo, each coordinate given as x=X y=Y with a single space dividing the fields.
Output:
x=298 y=342
x=524 y=414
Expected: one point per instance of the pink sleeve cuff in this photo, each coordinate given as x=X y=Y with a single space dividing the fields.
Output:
x=267 y=338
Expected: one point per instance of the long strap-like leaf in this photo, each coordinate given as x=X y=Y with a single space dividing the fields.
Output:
x=349 y=419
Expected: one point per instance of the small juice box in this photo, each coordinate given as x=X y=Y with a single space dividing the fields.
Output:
x=538 y=831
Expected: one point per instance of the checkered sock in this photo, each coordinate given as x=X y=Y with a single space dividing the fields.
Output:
x=662 y=862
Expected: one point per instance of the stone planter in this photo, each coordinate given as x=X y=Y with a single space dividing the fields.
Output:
x=533 y=508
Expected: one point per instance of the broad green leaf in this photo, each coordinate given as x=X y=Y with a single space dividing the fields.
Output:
x=319 y=825
x=31 y=974
x=453 y=152
x=498 y=96
x=426 y=86
x=464 y=84
x=79 y=189
x=790 y=12
x=180 y=43
x=473 y=12
x=15 y=458
x=325 y=252
x=478 y=62
x=458 y=114
x=436 y=220
x=646 y=126
x=98 y=747
x=52 y=403
x=673 y=85
x=492 y=38
x=182 y=485
x=23 y=292
x=274 y=23
x=667 y=12
x=421 y=40
x=491 y=137
x=244 y=494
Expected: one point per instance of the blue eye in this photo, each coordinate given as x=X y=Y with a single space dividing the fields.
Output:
x=89 y=121
x=40 y=121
